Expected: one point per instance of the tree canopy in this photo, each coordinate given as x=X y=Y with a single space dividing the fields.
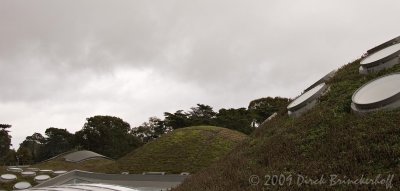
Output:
x=107 y=135
x=113 y=137
x=262 y=108
x=5 y=140
x=31 y=149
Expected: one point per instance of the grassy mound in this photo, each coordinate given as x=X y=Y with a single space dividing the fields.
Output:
x=326 y=142
x=184 y=150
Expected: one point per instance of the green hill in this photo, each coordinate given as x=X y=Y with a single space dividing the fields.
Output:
x=328 y=140
x=183 y=150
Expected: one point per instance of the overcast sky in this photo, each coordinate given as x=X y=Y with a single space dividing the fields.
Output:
x=62 y=61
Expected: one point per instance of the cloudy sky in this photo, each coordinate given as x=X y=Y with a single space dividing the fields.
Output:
x=62 y=61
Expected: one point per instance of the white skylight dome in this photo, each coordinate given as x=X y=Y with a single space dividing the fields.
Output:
x=14 y=169
x=8 y=178
x=378 y=94
x=28 y=173
x=41 y=178
x=381 y=57
x=306 y=101
x=83 y=155
x=22 y=185
x=58 y=172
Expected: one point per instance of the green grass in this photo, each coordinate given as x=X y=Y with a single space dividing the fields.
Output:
x=329 y=139
x=184 y=150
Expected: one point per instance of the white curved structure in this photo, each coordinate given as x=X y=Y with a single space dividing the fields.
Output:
x=144 y=182
x=306 y=101
x=381 y=57
x=84 y=155
x=8 y=178
x=28 y=174
x=59 y=172
x=269 y=118
x=41 y=178
x=14 y=169
x=22 y=185
x=324 y=79
x=378 y=94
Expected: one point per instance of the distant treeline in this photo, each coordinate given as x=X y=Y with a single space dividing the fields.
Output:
x=113 y=137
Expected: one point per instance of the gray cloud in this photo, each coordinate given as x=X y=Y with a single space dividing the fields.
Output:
x=63 y=61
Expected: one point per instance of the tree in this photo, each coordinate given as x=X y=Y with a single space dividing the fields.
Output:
x=177 y=120
x=264 y=107
x=5 y=140
x=57 y=142
x=34 y=144
x=150 y=130
x=235 y=119
x=107 y=135
x=202 y=115
x=24 y=156
x=10 y=157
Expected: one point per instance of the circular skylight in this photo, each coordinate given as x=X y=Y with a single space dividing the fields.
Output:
x=22 y=185
x=378 y=93
x=8 y=177
x=28 y=173
x=324 y=79
x=15 y=169
x=79 y=156
x=58 y=172
x=305 y=97
x=380 y=54
x=42 y=177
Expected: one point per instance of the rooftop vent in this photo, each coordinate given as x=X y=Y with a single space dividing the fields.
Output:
x=381 y=57
x=306 y=101
x=378 y=94
x=22 y=185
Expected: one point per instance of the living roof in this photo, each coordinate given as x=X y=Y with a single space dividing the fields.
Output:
x=330 y=139
x=183 y=150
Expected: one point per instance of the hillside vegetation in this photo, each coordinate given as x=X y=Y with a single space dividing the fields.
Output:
x=183 y=150
x=328 y=140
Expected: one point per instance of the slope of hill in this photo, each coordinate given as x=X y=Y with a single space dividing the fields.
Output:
x=326 y=144
x=96 y=164
x=184 y=150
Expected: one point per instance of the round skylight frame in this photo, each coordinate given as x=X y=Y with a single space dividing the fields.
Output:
x=313 y=94
x=14 y=169
x=59 y=172
x=28 y=173
x=388 y=56
x=22 y=185
x=324 y=79
x=378 y=104
x=42 y=178
x=8 y=177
